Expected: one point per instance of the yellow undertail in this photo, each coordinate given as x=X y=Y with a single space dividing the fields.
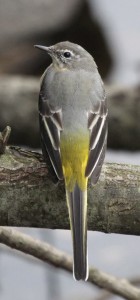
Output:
x=74 y=155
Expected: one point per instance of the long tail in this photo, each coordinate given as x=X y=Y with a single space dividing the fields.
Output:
x=77 y=205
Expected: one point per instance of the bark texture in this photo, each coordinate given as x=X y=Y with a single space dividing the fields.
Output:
x=29 y=198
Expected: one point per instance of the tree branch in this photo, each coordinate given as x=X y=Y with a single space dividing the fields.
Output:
x=59 y=259
x=30 y=199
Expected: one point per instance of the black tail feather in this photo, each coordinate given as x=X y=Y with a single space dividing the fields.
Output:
x=77 y=204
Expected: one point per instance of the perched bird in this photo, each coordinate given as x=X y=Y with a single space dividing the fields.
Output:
x=73 y=126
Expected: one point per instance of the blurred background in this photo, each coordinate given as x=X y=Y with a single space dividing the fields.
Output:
x=109 y=30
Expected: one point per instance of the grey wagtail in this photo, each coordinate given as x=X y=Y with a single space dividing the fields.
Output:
x=73 y=126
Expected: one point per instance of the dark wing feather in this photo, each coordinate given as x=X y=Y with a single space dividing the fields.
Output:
x=97 y=124
x=50 y=168
x=97 y=170
x=50 y=126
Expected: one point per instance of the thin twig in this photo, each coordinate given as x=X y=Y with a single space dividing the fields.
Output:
x=105 y=295
x=59 y=259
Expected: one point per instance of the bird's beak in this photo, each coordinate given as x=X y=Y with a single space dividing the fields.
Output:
x=47 y=49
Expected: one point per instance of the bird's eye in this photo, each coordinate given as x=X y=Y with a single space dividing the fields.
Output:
x=67 y=54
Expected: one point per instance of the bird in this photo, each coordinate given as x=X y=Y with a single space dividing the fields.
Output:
x=73 y=129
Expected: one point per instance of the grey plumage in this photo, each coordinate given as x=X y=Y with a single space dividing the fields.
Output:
x=72 y=103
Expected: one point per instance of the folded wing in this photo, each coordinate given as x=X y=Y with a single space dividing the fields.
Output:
x=50 y=121
x=97 y=124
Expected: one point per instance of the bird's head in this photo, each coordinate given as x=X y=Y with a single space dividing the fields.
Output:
x=66 y=55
